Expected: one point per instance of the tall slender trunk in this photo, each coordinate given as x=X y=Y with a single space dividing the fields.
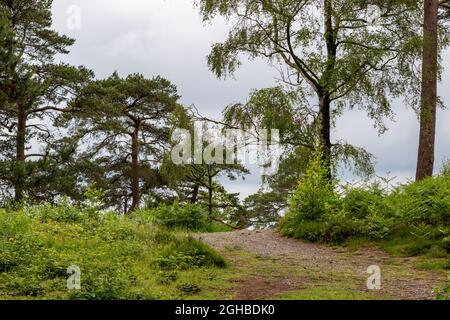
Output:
x=195 y=191
x=125 y=205
x=20 y=157
x=210 y=190
x=325 y=131
x=210 y=196
x=425 y=159
x=324 y=96
x=135 y=168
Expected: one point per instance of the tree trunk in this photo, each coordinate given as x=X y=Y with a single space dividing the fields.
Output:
x=20 y=156
x=194 y=197
x=325 y=131
x=324 y=96
x=425 y=160
x=135 y=168
x=125 y=205
x=210 y=196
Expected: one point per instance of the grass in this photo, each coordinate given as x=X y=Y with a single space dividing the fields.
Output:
x=119 y=257
x=429 y=253
x=330 y=292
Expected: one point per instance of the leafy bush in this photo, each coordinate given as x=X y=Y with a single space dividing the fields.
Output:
x=104 y=282
x=313 y=198
x=189 y=253
x=425 y=201
x=189 y=288
x=339 y=227
x=378 y=225
x=189 y=216
x=418 y=212
x=360 y=202
x=167 y=277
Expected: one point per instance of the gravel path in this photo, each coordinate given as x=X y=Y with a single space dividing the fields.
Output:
x=284 y=265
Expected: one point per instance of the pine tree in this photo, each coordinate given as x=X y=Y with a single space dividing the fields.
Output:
x=32 y=86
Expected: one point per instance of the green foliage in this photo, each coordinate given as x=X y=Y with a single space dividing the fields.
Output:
x=314 y=196
x=445 y=294
x=360 y=201
x=262 y=209
x=189 y=288
x=167 y=277
x=364 y=66
x=94 y=197
x=119 y=257
x=426 y=201
x=188 y=254
x=412 y=219
x=177 y=216
x=61 y=213
x=32 y=88
x=187 y=216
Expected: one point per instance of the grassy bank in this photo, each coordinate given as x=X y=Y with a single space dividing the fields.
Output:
x=119 y=257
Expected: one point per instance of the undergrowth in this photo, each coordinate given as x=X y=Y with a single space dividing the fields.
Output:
x=119 y=257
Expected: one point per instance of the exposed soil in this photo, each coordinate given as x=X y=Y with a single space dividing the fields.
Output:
x=276 y=265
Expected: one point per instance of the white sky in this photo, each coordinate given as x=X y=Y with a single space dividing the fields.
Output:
x=168 y=37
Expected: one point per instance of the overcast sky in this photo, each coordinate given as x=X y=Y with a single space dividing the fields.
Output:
x=168 y=38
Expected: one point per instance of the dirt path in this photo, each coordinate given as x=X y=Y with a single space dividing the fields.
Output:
x=270 y=266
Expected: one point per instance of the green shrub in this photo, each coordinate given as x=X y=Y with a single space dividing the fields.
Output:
x=315 y=194
x=164 y=237
x=189 y=253
x=61 y=213
x=167 y=277
x=359 y=202
x=417 y=213
x=378 y=226
x=314 y=197
x=108 y=282
x=189 y=288
x=308 y=230
x=340 y=226
x=13 y=223
x=425 y=201
x=190 y=216
x=25 y=286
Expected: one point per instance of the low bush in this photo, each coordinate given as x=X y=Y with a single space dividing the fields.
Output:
x=167 y=277
x=187 y=254
x=189 y=288
x=190 y=216
x=426 y=201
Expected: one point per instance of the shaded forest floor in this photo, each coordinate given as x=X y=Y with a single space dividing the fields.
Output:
x=265 y=265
